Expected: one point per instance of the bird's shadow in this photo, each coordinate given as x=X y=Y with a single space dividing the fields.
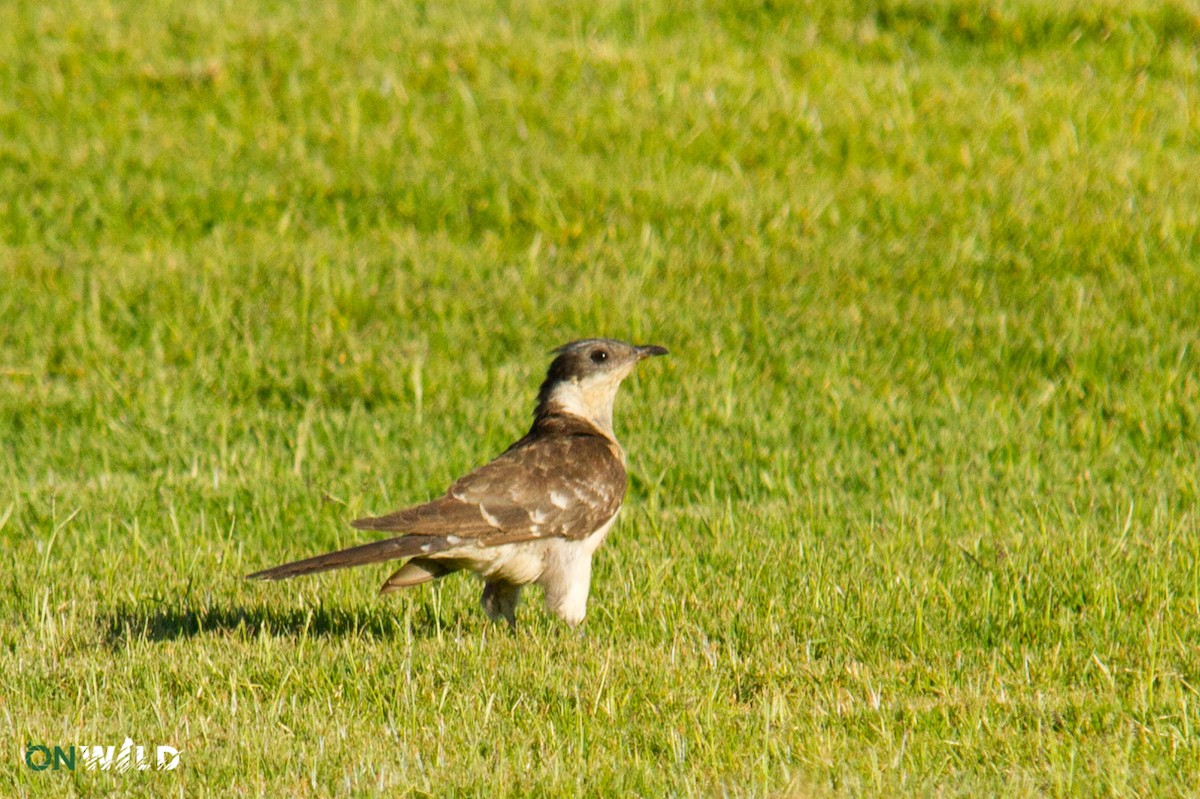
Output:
x=159 y=622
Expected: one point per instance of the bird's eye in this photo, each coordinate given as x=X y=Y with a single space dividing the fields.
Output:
x=599 y=356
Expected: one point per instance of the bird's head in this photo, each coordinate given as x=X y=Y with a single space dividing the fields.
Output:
x=584 y=377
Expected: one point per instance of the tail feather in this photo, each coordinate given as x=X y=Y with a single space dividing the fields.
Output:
x=375 y=522
x=415 y=572
x=375 y=552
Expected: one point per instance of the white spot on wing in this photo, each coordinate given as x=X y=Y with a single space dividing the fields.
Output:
x=489 y=518
x=559 y=500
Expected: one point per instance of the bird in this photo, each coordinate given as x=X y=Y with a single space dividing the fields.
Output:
x=535 y=514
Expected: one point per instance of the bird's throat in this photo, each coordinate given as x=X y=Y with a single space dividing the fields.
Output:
x=590 y=399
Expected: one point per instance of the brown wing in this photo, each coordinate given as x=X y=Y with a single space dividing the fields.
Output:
x=544 y=486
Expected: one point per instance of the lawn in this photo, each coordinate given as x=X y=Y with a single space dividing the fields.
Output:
x=914 y=504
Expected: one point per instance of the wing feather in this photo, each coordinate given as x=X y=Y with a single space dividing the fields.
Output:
x=544 y=486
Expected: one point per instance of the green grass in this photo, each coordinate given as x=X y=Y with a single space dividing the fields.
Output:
x=913 y=504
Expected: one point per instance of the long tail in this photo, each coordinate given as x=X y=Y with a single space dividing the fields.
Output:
x=391 y=549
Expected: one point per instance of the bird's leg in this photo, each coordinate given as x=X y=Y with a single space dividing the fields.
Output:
x=500 y=601
x=566 y=584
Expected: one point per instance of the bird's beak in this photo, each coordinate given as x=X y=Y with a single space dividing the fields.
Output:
x=649 y=350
